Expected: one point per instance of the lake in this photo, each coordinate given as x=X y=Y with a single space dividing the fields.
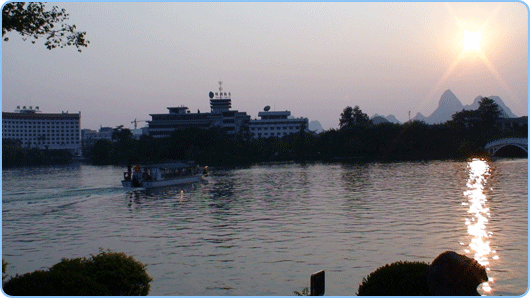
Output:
x=264 y=229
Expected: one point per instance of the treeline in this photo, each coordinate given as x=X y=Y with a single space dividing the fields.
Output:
x=15 y=155
x=465 y=135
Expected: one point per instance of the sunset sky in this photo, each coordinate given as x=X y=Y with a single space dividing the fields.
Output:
x=311 y=58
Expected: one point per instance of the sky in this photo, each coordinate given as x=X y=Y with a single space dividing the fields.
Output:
x=311 y=58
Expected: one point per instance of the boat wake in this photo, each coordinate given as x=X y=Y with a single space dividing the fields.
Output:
x=49 y=201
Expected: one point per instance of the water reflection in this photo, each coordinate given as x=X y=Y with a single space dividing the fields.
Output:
x=479 y=213
x=137 y=197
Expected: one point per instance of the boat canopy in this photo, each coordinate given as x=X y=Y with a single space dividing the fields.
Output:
x=170 y=165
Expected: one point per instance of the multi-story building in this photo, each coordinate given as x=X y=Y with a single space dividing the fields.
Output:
x=104 y=133
x=32 y=128
x=233 y=121
x=276 y=124
x=90 y=135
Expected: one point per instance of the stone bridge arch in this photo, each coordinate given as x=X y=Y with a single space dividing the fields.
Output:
x=493 y=147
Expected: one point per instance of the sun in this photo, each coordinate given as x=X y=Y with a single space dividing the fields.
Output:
x=472 y=40
x=473 y=47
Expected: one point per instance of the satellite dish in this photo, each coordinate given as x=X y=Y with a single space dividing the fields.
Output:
x=266 y=108
x=211 y=94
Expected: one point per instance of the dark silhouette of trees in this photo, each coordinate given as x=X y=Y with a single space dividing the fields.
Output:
x=353 y=116
x=474 y=128
x=124 y=146
x=488 y=112
x=101 y=153
x=360 y=118
x=357 y=139
x=32 y=20
x=13 y=156
x=346 y=118
x=483 y=118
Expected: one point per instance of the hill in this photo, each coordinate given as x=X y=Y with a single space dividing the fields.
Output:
x=449 y=104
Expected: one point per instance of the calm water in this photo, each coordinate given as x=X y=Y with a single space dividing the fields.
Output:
x=265 y=229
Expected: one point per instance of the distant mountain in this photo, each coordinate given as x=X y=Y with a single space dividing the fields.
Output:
x=379 y=119
x=392 y=119
x=418 y=117
x=449 y=104
x=315 y=126
x=508 y=113
x=389 y=118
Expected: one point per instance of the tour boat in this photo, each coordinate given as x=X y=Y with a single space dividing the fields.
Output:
x=162 y=174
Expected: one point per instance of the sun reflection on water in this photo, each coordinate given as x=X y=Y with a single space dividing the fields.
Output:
x=479 y=213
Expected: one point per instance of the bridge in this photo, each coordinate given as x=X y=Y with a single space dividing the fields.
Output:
x=494 y=146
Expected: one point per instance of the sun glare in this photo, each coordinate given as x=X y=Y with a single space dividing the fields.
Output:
x=472 y=40
x=473 y=47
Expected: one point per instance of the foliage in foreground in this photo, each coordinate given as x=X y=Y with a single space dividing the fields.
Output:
x=32 y=20
x=4 y=265
x=396 y=279
x=305 y=292
x=107 y=273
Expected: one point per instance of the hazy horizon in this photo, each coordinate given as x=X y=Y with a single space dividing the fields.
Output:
x=311 y=58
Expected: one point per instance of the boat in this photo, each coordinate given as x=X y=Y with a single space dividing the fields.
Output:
x=162 y=174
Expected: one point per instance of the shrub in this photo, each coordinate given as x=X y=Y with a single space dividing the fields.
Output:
x=4 y=265
x=108 y=273
x=397 y=279
x=34 y=283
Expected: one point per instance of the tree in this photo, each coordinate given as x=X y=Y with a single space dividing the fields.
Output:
x=33 y=21
x=102 y=152
x=355 y=116
x=120 y=134
x=346 y=118
x=480 y=122
x=359 y=117
x=488 y=112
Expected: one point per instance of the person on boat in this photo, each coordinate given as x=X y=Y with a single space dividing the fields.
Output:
x=128 y=173
x=147 y=175
x=135 y=181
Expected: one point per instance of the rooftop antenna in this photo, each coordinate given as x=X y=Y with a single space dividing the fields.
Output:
x=220 y=89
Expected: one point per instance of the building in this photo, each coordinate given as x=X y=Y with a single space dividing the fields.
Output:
x=232 y=121
x=88 y=134
x=32 y=128
x=276 y=124
x=92 y=136
x=520 y=123
x=104 y=133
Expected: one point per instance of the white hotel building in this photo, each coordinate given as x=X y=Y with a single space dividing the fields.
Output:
x=43 y=130
x=276 y=124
